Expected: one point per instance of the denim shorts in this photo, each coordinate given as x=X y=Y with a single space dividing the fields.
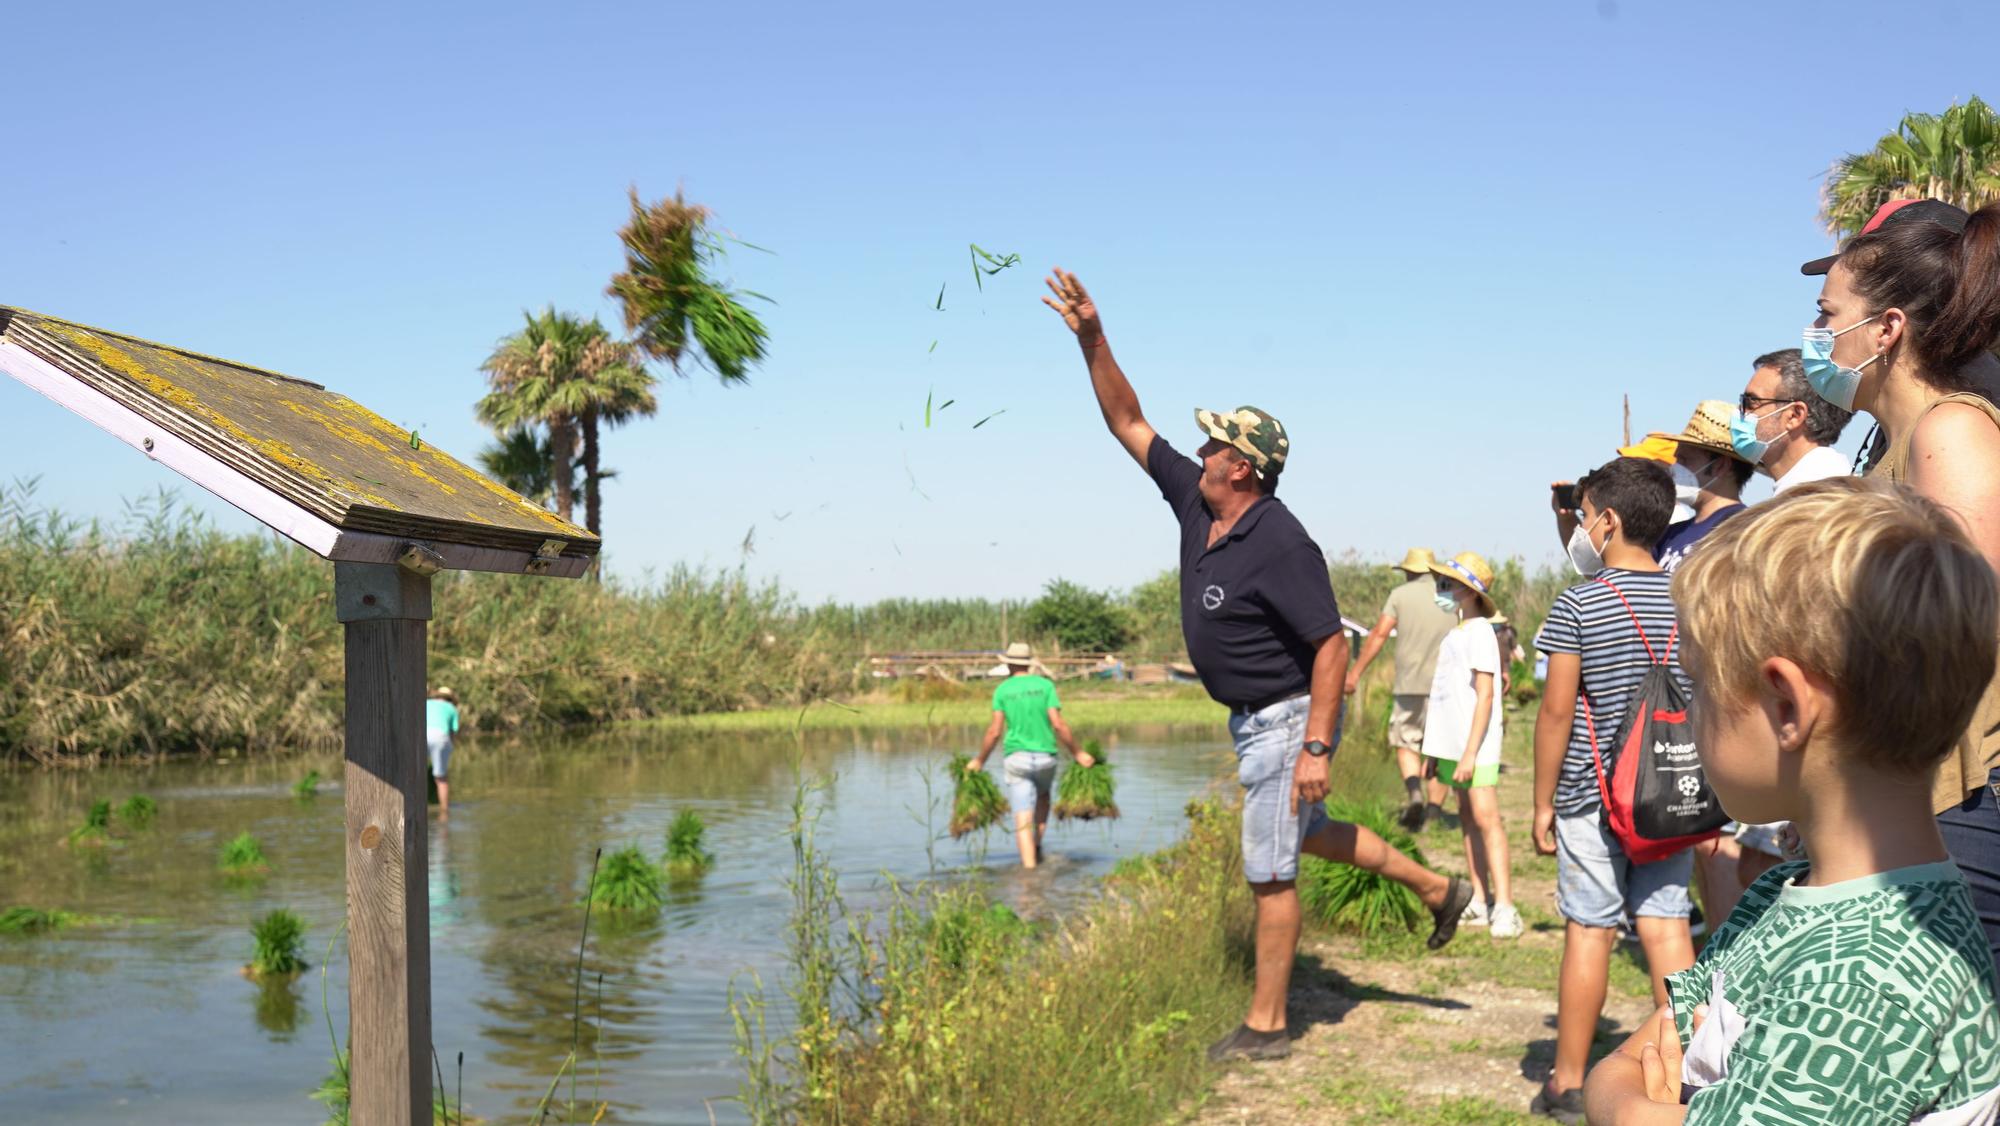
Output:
x=1268 y=744
x=1597 y=884
x=439 y=745
x=1028 y=778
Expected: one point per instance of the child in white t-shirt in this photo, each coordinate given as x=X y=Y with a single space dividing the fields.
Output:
x=1462 y=731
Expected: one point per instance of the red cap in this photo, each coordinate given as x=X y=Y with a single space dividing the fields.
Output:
x=1901 y=211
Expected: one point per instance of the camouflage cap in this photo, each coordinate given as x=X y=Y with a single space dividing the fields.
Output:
x=1252 y=433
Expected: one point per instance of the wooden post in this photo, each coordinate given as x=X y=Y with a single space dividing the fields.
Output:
x=385 y=608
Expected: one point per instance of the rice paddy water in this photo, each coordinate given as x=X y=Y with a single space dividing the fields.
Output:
x=127 y=1001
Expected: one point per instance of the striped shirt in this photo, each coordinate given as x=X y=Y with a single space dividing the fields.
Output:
x=1590 y=621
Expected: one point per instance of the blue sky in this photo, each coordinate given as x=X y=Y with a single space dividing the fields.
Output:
x=1439 y=241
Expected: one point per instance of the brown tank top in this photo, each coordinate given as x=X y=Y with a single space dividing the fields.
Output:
x=1978 y=750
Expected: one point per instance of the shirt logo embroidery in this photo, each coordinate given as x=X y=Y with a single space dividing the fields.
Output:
x=1212 y=597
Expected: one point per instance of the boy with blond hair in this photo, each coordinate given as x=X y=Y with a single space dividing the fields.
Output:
x=1839 y=638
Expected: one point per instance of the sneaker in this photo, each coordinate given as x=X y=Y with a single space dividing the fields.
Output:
x=1566 y=1107
x=1476 y=915
x=1247 y=1043
x=1457 y=897
x=1506 y=921
x=1412 y=817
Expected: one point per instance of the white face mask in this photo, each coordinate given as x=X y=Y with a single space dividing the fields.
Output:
x=1583 y=554
x=1687 y=486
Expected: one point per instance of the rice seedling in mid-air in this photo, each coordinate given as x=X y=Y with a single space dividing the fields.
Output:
x=138 y=811
x=627 y=881
x=977 y=801
x=686 y=859
x=243 y=856
x=33 y=920
x=306 y=787
x=1085 y=792
x=1355 y=899
x=280 y=939
x=96 y=827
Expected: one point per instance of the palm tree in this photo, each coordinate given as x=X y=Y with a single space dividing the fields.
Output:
x=1953 y=156
x=570 y=376
x=522 y=461
x=674 y=308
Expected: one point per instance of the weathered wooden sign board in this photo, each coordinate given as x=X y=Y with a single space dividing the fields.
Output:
x=390 y=510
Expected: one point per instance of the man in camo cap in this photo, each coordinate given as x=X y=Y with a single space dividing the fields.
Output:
x=1264 y=633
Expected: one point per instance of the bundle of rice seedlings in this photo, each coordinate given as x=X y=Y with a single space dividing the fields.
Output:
x=280 y=940
x=96 y=827
x=976 y=801
x=627 y=881
x=138 y=810
x=1084 y=792
x=686 y=859
x=306 y=787
x=243 y=856
x=33 y=920
x=1355 y=899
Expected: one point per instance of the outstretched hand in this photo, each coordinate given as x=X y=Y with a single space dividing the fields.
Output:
x=1072 y=302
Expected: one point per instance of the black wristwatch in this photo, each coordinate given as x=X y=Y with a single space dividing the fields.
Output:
x=1317 y=749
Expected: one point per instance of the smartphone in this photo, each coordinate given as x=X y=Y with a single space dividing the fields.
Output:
x=1566 y=497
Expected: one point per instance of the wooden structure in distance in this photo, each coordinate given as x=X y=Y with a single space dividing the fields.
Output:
x=389 y=510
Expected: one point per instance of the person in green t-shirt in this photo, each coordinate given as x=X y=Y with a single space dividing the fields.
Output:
x=1839 y=639
x=440 y=730
x=1028 y=722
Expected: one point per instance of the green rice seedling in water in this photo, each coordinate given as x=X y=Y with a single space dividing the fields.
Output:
x=686 y=859
x=977 y=801
x=96 y=827
x=280 y=940
x=34 y=920
x=243 y=856
x=333 y=1095
x=1085 y=792
x=627 y=881
x=138 y=811
x=1354 y=899
x=307 y=787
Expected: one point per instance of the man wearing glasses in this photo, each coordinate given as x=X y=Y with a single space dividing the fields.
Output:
x=1783 y=428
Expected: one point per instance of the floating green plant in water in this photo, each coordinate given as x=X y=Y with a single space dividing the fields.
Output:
x=1085 y=792
x=96 y=827
x=976 y=801
x=627 y=881
x=307 y=787
x=1355 y=899
x=34 y=920
x=138 y=811
x=243 y=856
x=280 y=939
x=686 y=858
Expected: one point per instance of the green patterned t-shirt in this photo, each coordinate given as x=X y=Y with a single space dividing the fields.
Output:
x=1867 y=1001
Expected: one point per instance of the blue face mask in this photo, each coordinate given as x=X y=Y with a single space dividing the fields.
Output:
x=1445 y=602
x=1743 y=434
x=1829 y=380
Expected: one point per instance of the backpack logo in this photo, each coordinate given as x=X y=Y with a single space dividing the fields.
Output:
x=1212 y=597
x=1689 y=785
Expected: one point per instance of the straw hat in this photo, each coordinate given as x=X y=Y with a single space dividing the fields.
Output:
x=1469 y=569
x=1417 y=562
x=1707 y=430
x=1655 y=448
x=445 y=694
x=1019 y=654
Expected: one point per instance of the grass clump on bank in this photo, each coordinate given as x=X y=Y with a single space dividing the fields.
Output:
x=948 y=1008
x=686 y=859
x=1085 y=793
x=278 y=945
x=627 y=881
x=242 y=856
x=1354 y=899
x=976 y=799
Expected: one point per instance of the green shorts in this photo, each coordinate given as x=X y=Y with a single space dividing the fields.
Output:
x=1488 y=775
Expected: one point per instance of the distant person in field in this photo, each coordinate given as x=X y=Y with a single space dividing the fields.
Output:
x=1413 y=615
x=1264 y=633
x=1028 y=722
x=440 y=729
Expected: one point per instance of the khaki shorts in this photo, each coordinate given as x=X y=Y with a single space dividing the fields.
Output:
x=1406 y=722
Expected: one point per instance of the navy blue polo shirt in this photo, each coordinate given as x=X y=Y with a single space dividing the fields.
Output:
x=1254 y=606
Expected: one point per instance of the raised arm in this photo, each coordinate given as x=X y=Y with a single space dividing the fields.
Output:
x=1384 y=626
x=1115 y=396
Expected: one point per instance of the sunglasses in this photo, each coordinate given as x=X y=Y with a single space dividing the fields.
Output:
x=1749 y=402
